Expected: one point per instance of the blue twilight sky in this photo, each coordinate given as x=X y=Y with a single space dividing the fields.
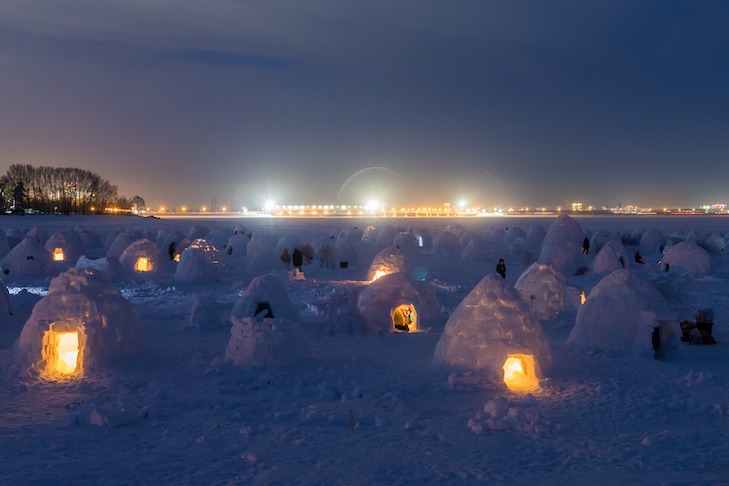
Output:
x=415 y=101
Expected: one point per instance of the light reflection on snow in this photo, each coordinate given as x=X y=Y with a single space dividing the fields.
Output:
x=42 y=291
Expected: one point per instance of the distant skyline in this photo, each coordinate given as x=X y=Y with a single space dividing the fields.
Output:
x=500 y=103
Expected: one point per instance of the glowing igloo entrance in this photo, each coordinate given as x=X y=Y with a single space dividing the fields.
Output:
x=520 y=374
x=62 y=350
x=143 y=264
x=404 y=318
x=58 y=255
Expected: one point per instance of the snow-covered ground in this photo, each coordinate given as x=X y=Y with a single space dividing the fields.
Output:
x=368 y=407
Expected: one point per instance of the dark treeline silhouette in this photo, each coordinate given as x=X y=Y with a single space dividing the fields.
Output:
x=64 y=190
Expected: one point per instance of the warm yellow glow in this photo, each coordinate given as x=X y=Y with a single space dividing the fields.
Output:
x=58 y=255
x=582 y=298
x=143 y=265
x=404 y=318
x=519 y=373
x=378 y=274
x=177 y=257
x=67 y=352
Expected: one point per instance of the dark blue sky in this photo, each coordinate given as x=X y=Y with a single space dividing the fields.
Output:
x=500 y=102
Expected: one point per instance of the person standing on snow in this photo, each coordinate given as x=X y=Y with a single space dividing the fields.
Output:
x=501 y=268
x=585 y=245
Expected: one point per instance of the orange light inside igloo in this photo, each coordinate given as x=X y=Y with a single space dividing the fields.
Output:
x=520 y=374
x=143 y=265
x=58 y=255
x=404 y=318
x=62 y=353
x=378 y=274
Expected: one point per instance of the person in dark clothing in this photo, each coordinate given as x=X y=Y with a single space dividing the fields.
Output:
x=501 y=268
x=585 y=245
x=638 y=257
x=297 y=258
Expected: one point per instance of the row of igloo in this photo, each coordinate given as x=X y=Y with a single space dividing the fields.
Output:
x=84 y=322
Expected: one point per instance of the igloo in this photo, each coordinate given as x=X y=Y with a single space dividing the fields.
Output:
x=197 y=231
x=237 y=245
x=64 y=246
x=686 y=257
x=199 y=263
x=264 y=262
x=612 y=256
x=446 y=244
x=267 y=342
x=170 y=244
x=82 y=324
x=624 y=313
x=395 y=302
x=288 y=242
x=494 y=332
x=142 y=258
x=652 y=241
x=389 y=260
x=562 y=245
x=386 y=236
x=27 y=258
x=266 y=295
x=543 y=288
x=120 y=243
x=405 y=240
x=474 y=250
x=345 y=254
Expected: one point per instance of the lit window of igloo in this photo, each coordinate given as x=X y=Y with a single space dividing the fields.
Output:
x=142 y=257
x=543 y=288
x=64 y=246
x=624 y=313
x=389 y=260
x=396 y=302
x=494 y=332
x=83 y=323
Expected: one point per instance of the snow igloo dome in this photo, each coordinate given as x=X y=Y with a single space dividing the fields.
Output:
x=686 y=257
x=543 y=288
x=389 y=260
x=494 y=332
x=562 y=245
x=200 y=262
x=142 y=258
x=27 y=258
x=625 y=313
x=397 y=303
x=265 y=330
x=83 y=323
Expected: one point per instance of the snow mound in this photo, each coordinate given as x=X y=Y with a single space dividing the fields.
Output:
x=6 y=307
x=543 y=288
x=612 y=256
x=142 y=258
x=687 y=257
x=624 y=313
x=389 y=260
x=84 y=303
x=500 y=414
x=266 y=342
x=265 y=293
x=27 y=258
x=204 y=313
x=446 y=244
x=379 y=301
x=199 y=263
x=489 y=325
x=120 y=243
x=386 y=236
x=562 y=245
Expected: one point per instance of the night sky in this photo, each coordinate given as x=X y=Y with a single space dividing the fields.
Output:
x=495 y=102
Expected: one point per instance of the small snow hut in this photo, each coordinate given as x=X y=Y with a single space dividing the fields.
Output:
x=83 y=323
x=27 y=258
x=543 y=288
x=265 y=296
x=142 y=258
x=397 y=303
x=64 y=246
x=686 y=257
x=625 y=313
x=200 y=262
x=562 y=245
x=389 y=260
x=494 y=332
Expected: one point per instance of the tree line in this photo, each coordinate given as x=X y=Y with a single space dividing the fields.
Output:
x=65 y=190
